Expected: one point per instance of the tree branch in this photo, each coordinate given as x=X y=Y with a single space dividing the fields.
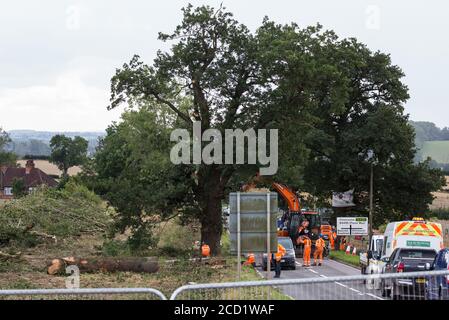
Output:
x=173 y=107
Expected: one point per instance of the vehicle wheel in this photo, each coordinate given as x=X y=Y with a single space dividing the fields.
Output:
x=293 y=267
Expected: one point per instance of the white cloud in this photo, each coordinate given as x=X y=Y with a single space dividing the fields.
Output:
x=69 y=102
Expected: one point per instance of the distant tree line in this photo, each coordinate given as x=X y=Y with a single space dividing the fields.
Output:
x=428 y=131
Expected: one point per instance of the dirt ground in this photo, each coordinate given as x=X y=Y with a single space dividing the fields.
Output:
x=30 y=271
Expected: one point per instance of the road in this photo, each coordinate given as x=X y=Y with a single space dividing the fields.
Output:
x=326 y=291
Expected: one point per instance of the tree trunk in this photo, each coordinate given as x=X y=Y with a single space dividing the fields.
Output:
x=133 y=264
x=212 y=224
x=212 y=184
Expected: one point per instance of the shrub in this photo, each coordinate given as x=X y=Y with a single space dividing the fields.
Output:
x=64 y=213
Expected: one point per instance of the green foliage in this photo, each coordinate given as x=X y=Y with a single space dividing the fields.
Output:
x=6 y=158
x=64 y=213
x=332 y=100
x=67 y=152
x=116 y=248
x=19 y=189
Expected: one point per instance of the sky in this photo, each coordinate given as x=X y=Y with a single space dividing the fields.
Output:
x=57 y=56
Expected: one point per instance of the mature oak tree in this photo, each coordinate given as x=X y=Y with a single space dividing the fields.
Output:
x=332 y=101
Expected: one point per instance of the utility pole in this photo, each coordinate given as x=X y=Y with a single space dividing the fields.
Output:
x=370 y=218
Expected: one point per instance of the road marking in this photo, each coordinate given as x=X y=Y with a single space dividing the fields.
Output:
x=299 y=264
x=323 y=276
x=355 y=290
x=341 y=284
x=311 y=270
x=374 y=296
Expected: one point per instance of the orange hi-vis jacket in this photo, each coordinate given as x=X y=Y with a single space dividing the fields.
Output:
x=205 y=250
x=320 y=244
x=307 y=243
x=280 y=253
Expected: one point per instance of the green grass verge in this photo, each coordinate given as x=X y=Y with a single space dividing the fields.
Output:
x=345 y=258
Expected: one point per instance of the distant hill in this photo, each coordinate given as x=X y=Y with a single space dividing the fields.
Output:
x=432 y=142
x=31 y=142
x=437 y=150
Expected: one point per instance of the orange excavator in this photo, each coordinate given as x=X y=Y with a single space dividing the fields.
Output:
x=295 y=223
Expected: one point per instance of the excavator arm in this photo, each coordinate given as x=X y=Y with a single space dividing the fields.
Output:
x=289 y=196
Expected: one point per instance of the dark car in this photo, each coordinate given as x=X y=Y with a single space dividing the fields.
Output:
x=438 y=286
x=288 y=261
x=404 y=260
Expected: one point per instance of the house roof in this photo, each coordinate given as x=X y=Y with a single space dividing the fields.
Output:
x=34 y=178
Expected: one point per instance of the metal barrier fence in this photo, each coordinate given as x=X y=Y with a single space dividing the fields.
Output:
x=84 y=294
x=409 y=285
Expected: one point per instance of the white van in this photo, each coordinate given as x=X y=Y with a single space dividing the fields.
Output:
x=412 y=234
x=415 y=233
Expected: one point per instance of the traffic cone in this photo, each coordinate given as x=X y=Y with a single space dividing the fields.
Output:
x=354 y=251
x=348 y=249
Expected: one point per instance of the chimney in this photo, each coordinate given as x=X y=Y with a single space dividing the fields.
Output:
x=29 y=166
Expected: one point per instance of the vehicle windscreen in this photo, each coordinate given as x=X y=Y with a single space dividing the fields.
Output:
x=413 y=253
x=286 y=243
x=314 y=220
x=379 y=246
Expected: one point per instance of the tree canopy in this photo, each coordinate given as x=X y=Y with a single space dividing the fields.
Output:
x=6 y=158
x=332 y=99
x=67 y=152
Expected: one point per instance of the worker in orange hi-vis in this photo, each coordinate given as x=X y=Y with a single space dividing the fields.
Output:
x=332 y=238
x=319 y=249
x=205 y=250
x=307 y=251
x=278 y=257
x=251 y=261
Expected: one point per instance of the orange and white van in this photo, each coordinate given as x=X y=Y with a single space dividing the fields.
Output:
x=416 y=233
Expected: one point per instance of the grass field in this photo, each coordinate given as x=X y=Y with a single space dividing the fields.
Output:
x=345 y=258
x=437 y=150
x=50 y=168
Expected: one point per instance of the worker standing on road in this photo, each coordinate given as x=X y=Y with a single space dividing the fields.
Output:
x=205 y=250
x=319 y=249
x=333 y=238
x=307 y=251
x=278 y=257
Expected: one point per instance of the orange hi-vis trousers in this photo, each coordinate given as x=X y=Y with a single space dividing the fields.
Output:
x=318 y=254
x=306 y=255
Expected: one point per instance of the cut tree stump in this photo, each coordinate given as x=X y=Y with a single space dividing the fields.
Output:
x=109 y=264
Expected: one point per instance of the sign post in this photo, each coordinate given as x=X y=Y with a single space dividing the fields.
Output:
x=239 y=253
x=352 y=226
x=268 y=243
x=252 y=225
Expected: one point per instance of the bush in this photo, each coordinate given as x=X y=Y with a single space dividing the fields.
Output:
x=64 y=213
x=176 y=239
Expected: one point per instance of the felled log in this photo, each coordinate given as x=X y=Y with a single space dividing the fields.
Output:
x=104 y=264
